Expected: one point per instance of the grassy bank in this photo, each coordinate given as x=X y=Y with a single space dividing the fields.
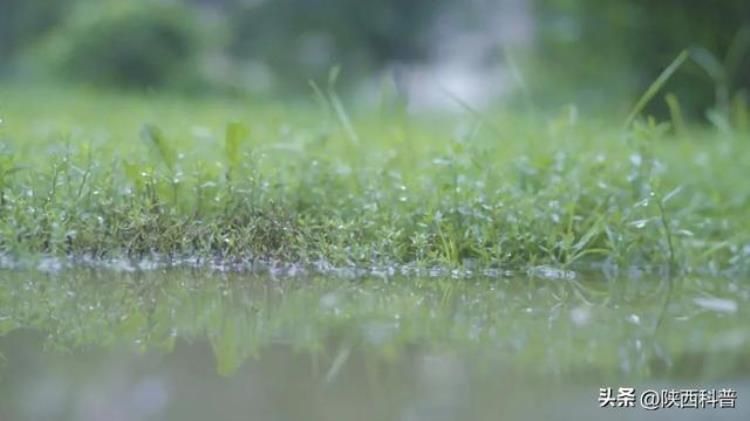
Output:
x=85 y=174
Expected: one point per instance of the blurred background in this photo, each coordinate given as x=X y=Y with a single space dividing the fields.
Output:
x=432 y=53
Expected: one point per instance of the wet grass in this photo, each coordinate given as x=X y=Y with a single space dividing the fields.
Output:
x=102 y=176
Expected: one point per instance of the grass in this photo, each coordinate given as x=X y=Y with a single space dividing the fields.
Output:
x=87 y=174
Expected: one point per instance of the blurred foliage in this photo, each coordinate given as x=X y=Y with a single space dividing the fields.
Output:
x=588 y=51
x=602 y=45
x=301 y=39
x=24 y=21
x=134 y=44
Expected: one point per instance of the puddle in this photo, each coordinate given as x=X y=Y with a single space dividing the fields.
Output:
x=180 y=344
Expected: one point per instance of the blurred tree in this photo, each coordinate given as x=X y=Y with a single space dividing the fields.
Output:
x=25 y=21
x=587 y=50
x=134 y=44
x=302 y=39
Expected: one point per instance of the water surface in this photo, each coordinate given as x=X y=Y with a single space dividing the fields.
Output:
x=178 y=344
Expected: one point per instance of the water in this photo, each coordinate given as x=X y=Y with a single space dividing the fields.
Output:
x=93 y=344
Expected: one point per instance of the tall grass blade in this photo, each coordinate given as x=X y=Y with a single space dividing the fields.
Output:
x=675 y=113
x=338 y=363
x=737 y=50
x=338 y=106
x=709 y=63
x=717 y=72
x=520 y=80
x=319 y=95
x=236 y=133
x=154 y=136
x=478 y=115
x=656 y=86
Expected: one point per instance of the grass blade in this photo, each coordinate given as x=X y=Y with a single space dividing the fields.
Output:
x=154 y=136
x=675 y=112
x=235 y=134
x=656 y=86
x=338 y=106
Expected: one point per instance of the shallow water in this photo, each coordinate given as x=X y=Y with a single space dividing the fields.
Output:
x=93 y=344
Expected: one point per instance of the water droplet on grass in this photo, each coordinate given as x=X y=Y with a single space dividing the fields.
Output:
x=641 y=223
x=719 y=305
x=580 y=316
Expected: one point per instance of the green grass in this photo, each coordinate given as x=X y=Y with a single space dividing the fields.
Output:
x=86 y=174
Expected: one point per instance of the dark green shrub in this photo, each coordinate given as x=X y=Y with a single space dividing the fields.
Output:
x=134 y=44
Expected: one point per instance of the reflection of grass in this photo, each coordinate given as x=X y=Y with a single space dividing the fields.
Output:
x=293 y=184
x=537 y=326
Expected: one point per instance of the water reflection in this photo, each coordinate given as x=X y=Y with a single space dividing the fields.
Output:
x=177 y=344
